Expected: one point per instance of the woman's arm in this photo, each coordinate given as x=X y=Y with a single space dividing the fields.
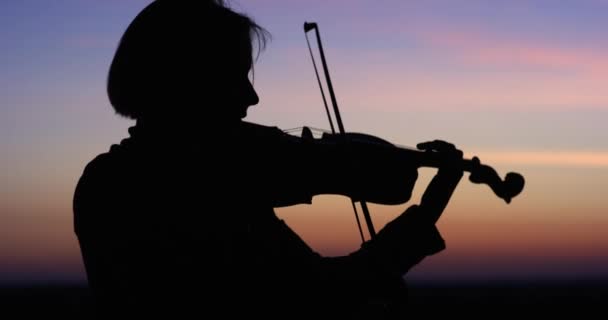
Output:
x=439 y=191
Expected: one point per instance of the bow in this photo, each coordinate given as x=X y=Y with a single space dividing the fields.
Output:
x=308 y=26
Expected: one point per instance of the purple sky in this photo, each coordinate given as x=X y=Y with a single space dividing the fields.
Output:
x=519 y=82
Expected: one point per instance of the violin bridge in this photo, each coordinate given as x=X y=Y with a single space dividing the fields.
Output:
x=307 y=133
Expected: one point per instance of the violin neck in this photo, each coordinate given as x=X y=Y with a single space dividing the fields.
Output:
x=436 y=160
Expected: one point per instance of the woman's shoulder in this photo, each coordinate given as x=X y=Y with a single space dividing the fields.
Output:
x=109 y=163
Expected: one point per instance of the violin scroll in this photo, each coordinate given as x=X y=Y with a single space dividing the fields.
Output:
x=513 y=185
x=505 y=189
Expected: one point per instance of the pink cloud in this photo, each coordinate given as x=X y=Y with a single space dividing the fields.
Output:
x=504 y=72
x=479 y=47
x=563 y=158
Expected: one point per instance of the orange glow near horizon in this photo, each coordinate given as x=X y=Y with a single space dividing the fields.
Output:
x=543 y=223
x=588 y=159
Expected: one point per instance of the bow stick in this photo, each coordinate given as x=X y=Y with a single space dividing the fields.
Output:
x=308 y=26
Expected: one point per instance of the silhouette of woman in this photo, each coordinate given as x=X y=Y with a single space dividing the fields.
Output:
x=178 y=219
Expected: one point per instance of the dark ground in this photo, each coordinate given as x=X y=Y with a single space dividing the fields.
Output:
x=584 y=300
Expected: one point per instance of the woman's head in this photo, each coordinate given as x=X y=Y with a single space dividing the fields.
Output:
x=180 y=57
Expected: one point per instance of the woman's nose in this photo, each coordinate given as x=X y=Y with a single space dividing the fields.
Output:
x=252 y=96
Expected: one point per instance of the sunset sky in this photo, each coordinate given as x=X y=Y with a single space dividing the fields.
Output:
x=520 y=84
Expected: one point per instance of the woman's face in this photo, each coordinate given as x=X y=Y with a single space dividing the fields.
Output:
x=228 y=91
x=240 y=94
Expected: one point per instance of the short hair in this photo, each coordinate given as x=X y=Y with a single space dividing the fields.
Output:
x=162 y=42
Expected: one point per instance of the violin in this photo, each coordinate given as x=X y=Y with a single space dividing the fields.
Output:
x=506 y=189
